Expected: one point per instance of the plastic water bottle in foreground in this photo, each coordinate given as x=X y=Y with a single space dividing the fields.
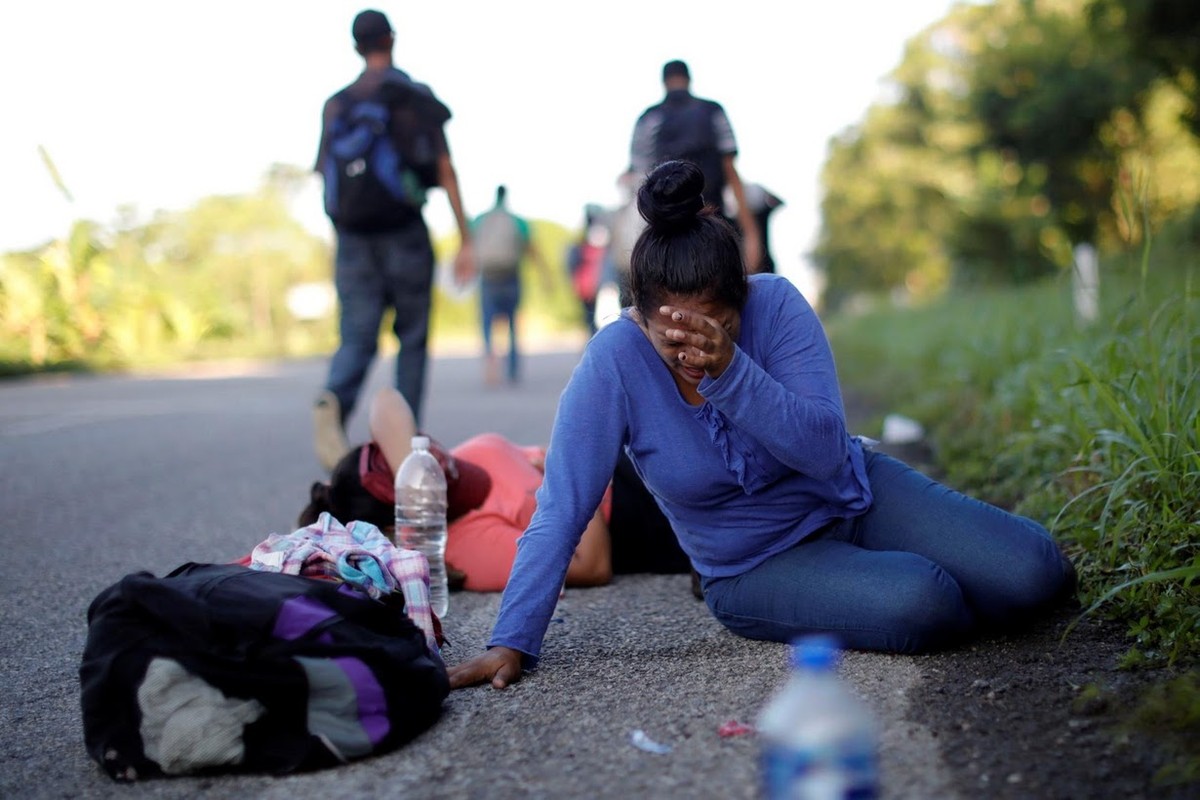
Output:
x=421 y=516
x=819 y=741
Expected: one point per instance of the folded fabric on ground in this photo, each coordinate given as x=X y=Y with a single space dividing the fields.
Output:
x=357 y=553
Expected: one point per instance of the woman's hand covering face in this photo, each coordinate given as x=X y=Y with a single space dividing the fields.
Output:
x=705 y=342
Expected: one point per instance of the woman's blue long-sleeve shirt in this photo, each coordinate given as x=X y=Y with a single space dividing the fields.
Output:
x=765 y=461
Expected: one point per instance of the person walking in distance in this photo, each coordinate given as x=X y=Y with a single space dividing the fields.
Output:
x=763 y=202
x=585 y=260
x=502 y=240
x=689 y=128
x=382 y=146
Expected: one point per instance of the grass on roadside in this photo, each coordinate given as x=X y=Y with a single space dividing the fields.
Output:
x=1092 y=429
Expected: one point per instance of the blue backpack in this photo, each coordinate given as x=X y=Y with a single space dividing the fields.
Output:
x=369 y=183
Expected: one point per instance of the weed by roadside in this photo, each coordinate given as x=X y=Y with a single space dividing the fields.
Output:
x=1093 y=430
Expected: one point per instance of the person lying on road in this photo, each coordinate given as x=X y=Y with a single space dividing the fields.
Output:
x=491 y=487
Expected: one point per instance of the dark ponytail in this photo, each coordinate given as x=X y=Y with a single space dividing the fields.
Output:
x=318 y=502
x=345 y=498
x=687 y=248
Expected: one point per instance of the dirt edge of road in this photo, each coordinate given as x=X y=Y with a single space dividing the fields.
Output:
x=1046 y=712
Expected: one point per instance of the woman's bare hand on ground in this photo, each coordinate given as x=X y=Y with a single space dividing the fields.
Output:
x=500 y=665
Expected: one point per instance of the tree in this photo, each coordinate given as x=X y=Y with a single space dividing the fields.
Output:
x=1166 y=35
x=1043 y=83
x=892 y=185
x=1004 y=147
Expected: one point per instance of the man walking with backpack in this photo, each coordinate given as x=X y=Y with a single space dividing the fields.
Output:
x=382 y=146
x=501 y=241
x=691 y=128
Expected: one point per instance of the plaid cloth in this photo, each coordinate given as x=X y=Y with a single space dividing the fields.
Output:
x=358 y=554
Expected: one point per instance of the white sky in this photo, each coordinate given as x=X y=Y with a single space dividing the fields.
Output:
x=156 y=104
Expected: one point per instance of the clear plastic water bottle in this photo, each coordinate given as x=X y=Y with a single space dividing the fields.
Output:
x=421 y=516
x=819 y=741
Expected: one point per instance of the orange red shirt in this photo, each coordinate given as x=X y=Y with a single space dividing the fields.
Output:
x=483 y=542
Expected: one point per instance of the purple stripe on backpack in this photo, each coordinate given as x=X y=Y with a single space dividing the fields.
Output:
x=298 y=616
x=372 y=704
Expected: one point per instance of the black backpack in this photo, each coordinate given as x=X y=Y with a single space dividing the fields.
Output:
x=686 y=132
x=225 y=668
x=380 y=156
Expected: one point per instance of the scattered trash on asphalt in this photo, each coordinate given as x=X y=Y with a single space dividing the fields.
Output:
x=899 y=429
x=643 y=742
x=734 y=728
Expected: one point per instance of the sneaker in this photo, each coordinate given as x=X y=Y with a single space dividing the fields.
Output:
x=329 y=437
x=697 y=591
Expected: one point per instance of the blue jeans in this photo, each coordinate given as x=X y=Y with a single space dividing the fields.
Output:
x=500 y=297
x=374 y=272
x=923 y=567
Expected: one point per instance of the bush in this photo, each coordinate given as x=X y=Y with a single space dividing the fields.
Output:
x=1095 y=431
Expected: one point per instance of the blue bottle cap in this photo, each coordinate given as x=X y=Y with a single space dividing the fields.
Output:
x=817 y=652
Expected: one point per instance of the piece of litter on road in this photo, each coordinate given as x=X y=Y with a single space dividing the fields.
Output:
x=899 y=429
x=734 y=728
x=643 y=742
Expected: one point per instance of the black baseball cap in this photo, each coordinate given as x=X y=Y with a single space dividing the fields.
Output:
x=676 y=68
x=370 y=26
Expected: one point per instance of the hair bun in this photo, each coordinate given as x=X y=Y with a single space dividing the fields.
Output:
x=670 y=197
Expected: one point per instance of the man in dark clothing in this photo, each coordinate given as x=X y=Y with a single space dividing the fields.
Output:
x=691 y=128
x=389 y=262
x=763 y=202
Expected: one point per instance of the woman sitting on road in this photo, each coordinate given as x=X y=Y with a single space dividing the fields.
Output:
x=490 y=486
x=722 y=391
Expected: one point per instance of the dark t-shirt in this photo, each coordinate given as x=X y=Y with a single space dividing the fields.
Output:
x=684 y=126
x=642 y=538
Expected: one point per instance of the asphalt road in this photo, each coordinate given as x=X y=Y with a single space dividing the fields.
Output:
x=102 y=476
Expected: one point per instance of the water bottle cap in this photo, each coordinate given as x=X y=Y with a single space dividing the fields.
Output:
x=420 y=443
x=819 y=652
